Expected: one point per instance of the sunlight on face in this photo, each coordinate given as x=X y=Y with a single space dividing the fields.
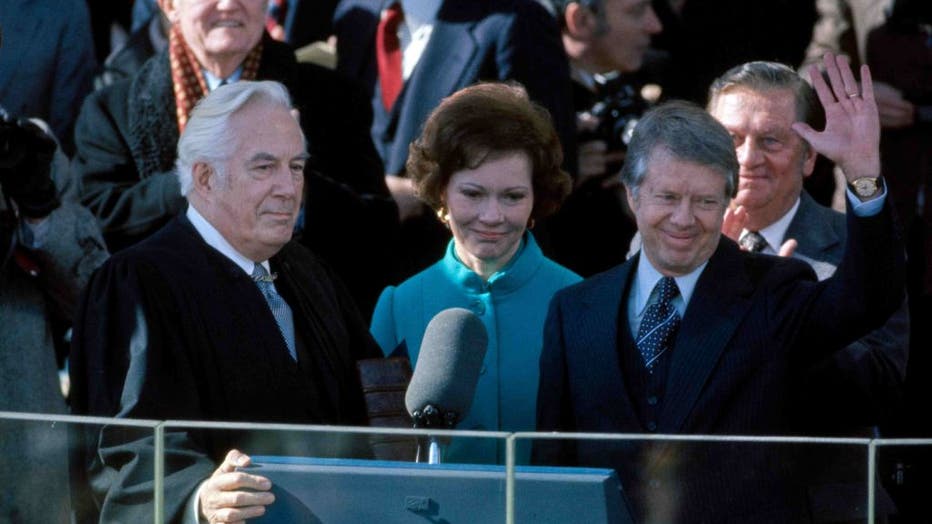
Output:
x=773 y=159
x=257 y=200
x=679 y=209
x=489 y=208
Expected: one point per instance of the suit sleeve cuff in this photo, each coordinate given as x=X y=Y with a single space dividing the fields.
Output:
x=869 y=208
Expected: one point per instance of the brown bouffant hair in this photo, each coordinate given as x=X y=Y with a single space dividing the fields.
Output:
x=483 y=122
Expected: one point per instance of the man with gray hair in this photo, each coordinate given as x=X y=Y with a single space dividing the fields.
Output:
x=695 y=336
x=606 y=42
x=848 y=393
x=218 y=316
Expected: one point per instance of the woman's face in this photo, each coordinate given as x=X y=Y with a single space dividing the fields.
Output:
x=488 y=210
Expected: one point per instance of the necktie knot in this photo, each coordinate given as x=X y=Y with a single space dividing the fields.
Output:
x=667 y=290
x=753 y=241
x=392 y=17
x=260 y=275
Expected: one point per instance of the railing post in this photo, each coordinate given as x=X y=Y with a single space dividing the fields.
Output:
x=159 y=467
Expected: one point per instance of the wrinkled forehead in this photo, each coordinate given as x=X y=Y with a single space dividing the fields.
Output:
x=772 y=107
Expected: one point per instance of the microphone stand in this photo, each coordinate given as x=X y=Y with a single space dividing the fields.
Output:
x=431 y=417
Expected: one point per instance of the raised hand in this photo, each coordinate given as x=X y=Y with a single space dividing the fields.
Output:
x=733 y=223
x=851 y=137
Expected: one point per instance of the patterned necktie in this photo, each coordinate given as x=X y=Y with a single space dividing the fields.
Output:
x=659 y=325
x=388 y=54
x=279 y=307
x=753 y=241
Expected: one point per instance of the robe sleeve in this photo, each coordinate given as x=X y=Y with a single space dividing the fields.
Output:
x=126 y=335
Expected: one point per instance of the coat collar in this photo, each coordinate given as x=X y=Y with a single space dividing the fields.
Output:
x=813 y=227
x=519 y=270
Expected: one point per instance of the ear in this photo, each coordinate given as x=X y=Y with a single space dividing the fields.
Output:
x=203 y=180
x=809 y=160
x=581 y=23
x=632 y=202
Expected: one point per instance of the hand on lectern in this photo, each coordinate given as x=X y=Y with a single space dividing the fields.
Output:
x=233 y=496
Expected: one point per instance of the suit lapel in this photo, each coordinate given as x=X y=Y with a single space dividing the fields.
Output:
x=441 y=69
x=718 y=304
x=812 y=227
x=597 y=339
x=819 y=244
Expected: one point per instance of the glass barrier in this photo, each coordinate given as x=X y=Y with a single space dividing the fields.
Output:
x=904 y=476
x=340 y=474
x=45 y=462
x=678 y=478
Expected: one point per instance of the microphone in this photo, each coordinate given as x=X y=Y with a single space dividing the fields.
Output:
x=446 y=372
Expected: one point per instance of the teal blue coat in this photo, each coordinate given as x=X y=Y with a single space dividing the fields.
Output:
x=513 y=306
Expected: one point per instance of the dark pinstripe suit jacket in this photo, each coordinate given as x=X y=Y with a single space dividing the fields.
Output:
x=740 y=341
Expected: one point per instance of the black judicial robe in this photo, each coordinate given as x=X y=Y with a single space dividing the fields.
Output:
x=172 y=329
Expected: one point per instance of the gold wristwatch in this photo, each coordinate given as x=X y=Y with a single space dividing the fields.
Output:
x=866 y=186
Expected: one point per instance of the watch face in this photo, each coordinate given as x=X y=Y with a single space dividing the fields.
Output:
x=865 y=186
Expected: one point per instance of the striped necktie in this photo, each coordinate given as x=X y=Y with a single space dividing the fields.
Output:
x=660 y=323
x=279 y=307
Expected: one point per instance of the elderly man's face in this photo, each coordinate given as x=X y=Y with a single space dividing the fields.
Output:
x=773 y=159
x=630 y=24
x=678 y=209
x=216 y=30
x=255 y=203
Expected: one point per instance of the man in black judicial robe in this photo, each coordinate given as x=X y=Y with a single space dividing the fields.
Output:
x=177 y=327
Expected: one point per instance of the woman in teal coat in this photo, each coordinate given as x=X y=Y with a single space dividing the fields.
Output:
x=488 y=162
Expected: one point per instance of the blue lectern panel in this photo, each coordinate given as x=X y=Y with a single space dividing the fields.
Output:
x=344 y=491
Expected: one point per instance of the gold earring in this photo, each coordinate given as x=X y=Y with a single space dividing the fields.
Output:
x=443 y=216
x=530 y=223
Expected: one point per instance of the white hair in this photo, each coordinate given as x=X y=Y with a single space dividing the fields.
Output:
x=207 y=136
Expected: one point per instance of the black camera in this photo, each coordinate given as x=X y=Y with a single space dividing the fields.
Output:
x=617 y=112
x=26 y=152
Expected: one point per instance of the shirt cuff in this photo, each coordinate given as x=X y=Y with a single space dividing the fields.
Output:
x=866 y=209
x=192 y=510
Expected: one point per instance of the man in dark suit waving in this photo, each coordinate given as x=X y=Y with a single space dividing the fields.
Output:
x=694 y=335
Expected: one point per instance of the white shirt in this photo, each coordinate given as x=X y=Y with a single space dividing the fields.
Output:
x=215 y=240
x=774 y=233
x=414 y=33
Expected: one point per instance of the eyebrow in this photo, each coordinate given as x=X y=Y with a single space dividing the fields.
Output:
x=269 y=157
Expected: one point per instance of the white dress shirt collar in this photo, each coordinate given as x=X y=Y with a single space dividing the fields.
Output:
x=775 y=233
x=213 y=82
x=215 y=240
x=647 y=277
